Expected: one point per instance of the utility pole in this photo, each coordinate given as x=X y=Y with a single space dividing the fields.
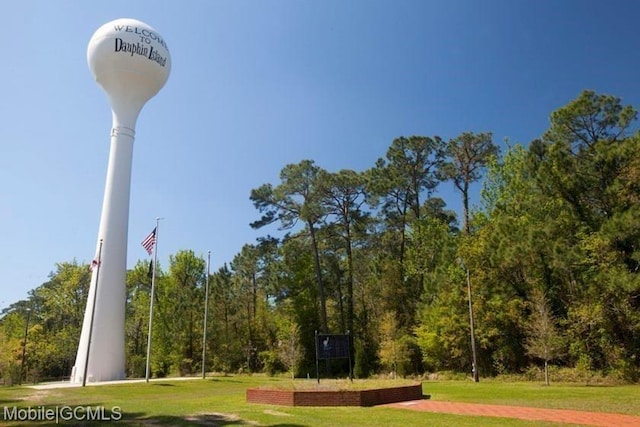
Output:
x=476 y=377
x=206 y=312
x=24 y=347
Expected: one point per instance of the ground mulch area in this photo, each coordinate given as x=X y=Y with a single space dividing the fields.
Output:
x=521 y=412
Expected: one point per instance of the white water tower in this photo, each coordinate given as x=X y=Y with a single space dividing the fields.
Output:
x=131 y=62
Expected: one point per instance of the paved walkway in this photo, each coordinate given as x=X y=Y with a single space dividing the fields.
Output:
x=533 y=414
x=69 y=384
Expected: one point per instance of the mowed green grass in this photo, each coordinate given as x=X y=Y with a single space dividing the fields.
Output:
x=220 y=401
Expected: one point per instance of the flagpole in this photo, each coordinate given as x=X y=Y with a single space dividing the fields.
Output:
x=206 y=311
x=93 y=312
x=153 y=288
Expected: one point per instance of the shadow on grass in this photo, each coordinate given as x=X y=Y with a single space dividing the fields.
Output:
x=193 y=420
x=205 y=420
x=224 y=380
x=98 y=414
x=286 y=425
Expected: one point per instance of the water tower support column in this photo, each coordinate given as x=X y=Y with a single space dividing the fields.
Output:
x=131 y=62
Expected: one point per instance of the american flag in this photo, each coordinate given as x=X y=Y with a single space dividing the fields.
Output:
x=149 y=241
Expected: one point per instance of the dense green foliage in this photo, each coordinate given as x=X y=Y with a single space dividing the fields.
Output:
x=552 y=254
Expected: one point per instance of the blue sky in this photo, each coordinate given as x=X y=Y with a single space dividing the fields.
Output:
x=256 y=85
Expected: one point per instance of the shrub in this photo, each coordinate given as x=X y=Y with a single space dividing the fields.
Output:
x=137 y=366
x=270 y=361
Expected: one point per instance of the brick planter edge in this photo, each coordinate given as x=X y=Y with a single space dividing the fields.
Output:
x=368 y=397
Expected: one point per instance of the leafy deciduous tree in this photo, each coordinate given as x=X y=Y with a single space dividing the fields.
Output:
x=544 y=341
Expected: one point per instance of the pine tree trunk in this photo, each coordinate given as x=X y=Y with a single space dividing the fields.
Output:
x=316 y=259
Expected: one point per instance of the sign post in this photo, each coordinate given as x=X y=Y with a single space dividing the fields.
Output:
x=333 y=346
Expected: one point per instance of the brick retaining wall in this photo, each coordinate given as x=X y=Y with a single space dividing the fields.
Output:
x=369 y=397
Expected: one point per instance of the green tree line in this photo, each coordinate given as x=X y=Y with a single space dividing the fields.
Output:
x=551 y=254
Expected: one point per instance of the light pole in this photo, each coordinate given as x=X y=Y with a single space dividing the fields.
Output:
x=24 y=347
x=476 y=377
x=206 y=311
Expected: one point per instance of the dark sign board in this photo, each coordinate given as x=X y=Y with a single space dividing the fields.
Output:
x=332 y=346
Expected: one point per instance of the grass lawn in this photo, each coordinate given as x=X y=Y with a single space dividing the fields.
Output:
x=220 y=401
